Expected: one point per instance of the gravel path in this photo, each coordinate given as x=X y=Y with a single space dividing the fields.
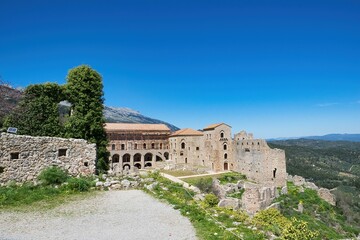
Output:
x=110 y=215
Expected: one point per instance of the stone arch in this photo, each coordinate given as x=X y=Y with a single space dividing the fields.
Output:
x=126 y=158
x=148 y=164
x=148 y=157
x=137 y=157
x=138 y=165
x=126 y=165
x=166 y=155
x=226 y=166
x=158 y=158
x=115 y=158
x=225 y=146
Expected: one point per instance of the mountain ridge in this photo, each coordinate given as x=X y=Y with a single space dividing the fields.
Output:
x=350 y=137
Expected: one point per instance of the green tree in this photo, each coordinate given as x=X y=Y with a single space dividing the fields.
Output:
x=84 y=89
x=37 y=114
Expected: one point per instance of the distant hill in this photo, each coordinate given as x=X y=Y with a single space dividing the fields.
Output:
x=126 y=115
x=330 y=164
x=337 y=137
x=9 y=98
x=328 y=137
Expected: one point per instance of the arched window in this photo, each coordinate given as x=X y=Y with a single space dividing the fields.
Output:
x=160 y=145
x=225 y=156
x=115 y=158
x=153 y=145
x=182 y=145
x=222 y=135
x=225 y=147
x=113 y=147
x=122 y=146
x=135 y=146
x=144 y=146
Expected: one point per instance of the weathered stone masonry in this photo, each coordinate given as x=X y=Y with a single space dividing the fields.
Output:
x=22 y=158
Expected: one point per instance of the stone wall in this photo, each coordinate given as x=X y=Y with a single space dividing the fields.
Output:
x=258 y=161
x=22 y=158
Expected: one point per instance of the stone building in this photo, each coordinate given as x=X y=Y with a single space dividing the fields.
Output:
x=137 y=145
x=22 y=158
x=149 y=145
x=258 y=161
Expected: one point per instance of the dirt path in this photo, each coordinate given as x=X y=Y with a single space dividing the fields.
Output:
x=109 y=215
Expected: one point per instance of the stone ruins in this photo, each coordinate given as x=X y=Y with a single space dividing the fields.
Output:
x=22 y=158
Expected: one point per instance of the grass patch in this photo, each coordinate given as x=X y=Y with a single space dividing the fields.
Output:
x=209 y=221
x=46 y=195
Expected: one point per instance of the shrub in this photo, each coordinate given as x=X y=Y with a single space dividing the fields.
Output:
x=211 y=200
x=204 y=184
x=297 y=229
x=79 y=184
x=53 y=176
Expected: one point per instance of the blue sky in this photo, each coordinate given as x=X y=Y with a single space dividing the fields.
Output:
x=274 y=68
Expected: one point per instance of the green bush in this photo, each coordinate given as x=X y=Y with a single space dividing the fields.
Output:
x=211 y=200
x=53 y=176
x=204 y=184
x=79 y=184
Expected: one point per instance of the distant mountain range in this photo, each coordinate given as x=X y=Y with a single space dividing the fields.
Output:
x=10 y=97
x=126 y=115
x=328 y=137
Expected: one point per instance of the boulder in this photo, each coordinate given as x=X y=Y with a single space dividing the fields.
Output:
x=125 y=183
x=326 y=195
x=229 y=203
x=298 y=180
x=311 y=186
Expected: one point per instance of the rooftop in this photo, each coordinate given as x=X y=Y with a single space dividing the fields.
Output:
x=135 y=127
x=213 y=126
x=186 y=132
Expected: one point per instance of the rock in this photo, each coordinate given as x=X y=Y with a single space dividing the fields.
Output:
x=125 y=183
x=236 y=223
x=195 y=189
x=311 y=186
x=229 y=203
x=284 y=190
x=107 y=184
x=116 y=186
x=199 y=197
x=301 y=189
x=144 y=174
x=326 y=195
x=147 y=180
x=99 y=184
x=134 y=184
x=104 y=176
x=218 y=189
x=114 y=182
x=298 y=180
x=151 y=186
x=300 y=207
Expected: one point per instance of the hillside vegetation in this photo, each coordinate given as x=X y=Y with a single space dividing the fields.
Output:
x=334 y=165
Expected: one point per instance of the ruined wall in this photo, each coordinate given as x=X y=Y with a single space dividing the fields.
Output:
x=22 y=158
x=259 y=162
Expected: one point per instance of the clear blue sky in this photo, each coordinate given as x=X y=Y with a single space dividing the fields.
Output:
x=274 y=68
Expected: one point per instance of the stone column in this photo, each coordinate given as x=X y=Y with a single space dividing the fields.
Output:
x=142 y=161
x=132 y=161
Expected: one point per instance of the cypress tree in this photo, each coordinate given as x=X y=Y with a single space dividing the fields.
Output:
x=84 y=89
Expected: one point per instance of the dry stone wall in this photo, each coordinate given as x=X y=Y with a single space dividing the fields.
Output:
x=22 y=158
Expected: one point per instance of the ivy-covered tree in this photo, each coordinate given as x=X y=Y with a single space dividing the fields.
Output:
x=84 y=89
x=37 y=113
